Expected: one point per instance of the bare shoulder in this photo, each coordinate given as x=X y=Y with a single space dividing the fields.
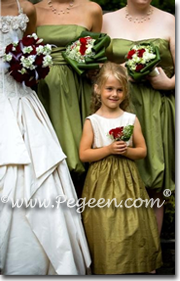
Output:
x=40 y=4
x=109 y=15
x=113 y=16
x=93 y=7
x=110 y=20
x=168 y=19
x=27 y=7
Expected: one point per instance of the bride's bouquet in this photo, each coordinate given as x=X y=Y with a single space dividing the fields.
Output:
x=122 y=133
x=28 y=60
x=87 y=51
x=142 y=60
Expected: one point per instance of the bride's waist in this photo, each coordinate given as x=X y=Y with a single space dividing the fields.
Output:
x=11 y=88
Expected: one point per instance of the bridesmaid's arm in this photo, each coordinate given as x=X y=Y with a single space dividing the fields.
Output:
x=30 y=11
x=162 y=81
x=96 y=16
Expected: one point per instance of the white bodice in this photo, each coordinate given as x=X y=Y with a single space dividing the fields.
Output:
x=101 y=127
x=11 y=30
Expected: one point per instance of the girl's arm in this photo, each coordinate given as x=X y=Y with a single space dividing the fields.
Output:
x=139 y=150
x=88 y=154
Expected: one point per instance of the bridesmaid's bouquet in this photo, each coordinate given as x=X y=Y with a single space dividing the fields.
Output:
x=121 y=133
x=87 y=51
x=28 y=60
x=142 y=60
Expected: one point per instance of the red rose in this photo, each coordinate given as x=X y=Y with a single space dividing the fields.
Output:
x=141 y=52
x=83 y=40
x=39 y=60
x=130 y=54
x=117 y=133
x=9 y=48
x=139 y=67
x=17 y=76
x=30 y=82
x=19 y=47
x=83 y=47
x=33 y=52
x=42 y=72
x=28 y=41
x=15 y=65
x=82 y=50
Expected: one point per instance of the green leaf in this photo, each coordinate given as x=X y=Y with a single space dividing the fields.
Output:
x=127 y=132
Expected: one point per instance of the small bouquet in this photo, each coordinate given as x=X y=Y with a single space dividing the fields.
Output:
x=121 y=133
x=28 y=59
x=87 y=52
x=141 y=61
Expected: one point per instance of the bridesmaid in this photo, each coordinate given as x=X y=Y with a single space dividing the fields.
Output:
x=64 y=94
x=153 y=99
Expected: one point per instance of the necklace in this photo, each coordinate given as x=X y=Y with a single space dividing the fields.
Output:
x=141 y=19
x=65 y=11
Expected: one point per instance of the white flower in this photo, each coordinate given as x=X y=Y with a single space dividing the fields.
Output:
x=47 y=61
x=34 y=35
x=14 y=46
x=7 y=57
x=136 y=59
x=45 y=50
x=28 y=62
x=89 y=50
x=27 y=50
x=22 y=71
x=148 y=56
x=39 y=50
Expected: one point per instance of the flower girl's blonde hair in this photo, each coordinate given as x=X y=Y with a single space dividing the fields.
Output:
x=119 y=72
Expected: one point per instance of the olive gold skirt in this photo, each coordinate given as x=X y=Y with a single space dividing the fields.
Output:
x=122 y=239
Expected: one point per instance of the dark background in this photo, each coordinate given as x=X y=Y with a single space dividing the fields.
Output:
x=112 y=5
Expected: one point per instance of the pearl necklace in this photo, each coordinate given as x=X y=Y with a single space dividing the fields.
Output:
x=65 y=11
x=139 y=20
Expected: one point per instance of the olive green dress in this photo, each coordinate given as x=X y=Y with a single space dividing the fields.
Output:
x=121 y=240
x=155 y=110
x=64 y=94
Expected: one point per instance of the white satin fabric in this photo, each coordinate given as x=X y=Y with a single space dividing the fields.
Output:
x=34 y=241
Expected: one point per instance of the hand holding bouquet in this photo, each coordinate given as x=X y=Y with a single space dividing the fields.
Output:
x=28 y=60
x=87 y=52
x=121 y=133
x=141 y=61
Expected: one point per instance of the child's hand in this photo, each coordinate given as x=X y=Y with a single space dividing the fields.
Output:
x=118 y=147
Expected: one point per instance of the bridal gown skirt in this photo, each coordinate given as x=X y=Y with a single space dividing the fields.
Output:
x=35 y=240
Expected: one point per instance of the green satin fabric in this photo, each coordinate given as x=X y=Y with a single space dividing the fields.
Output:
x=65 y=95
x=156 y=112
x=121 y=240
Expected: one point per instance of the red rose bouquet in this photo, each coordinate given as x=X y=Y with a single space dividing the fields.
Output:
x=81 y=49
x=121 y=133
x=87 y=51
x=28 y=60
x=141 y=61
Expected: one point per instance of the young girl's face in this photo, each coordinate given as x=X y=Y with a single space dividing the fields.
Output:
x=112 y=93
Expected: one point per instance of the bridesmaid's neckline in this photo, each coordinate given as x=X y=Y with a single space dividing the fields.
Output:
x=62 y=25
x=147 y=39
